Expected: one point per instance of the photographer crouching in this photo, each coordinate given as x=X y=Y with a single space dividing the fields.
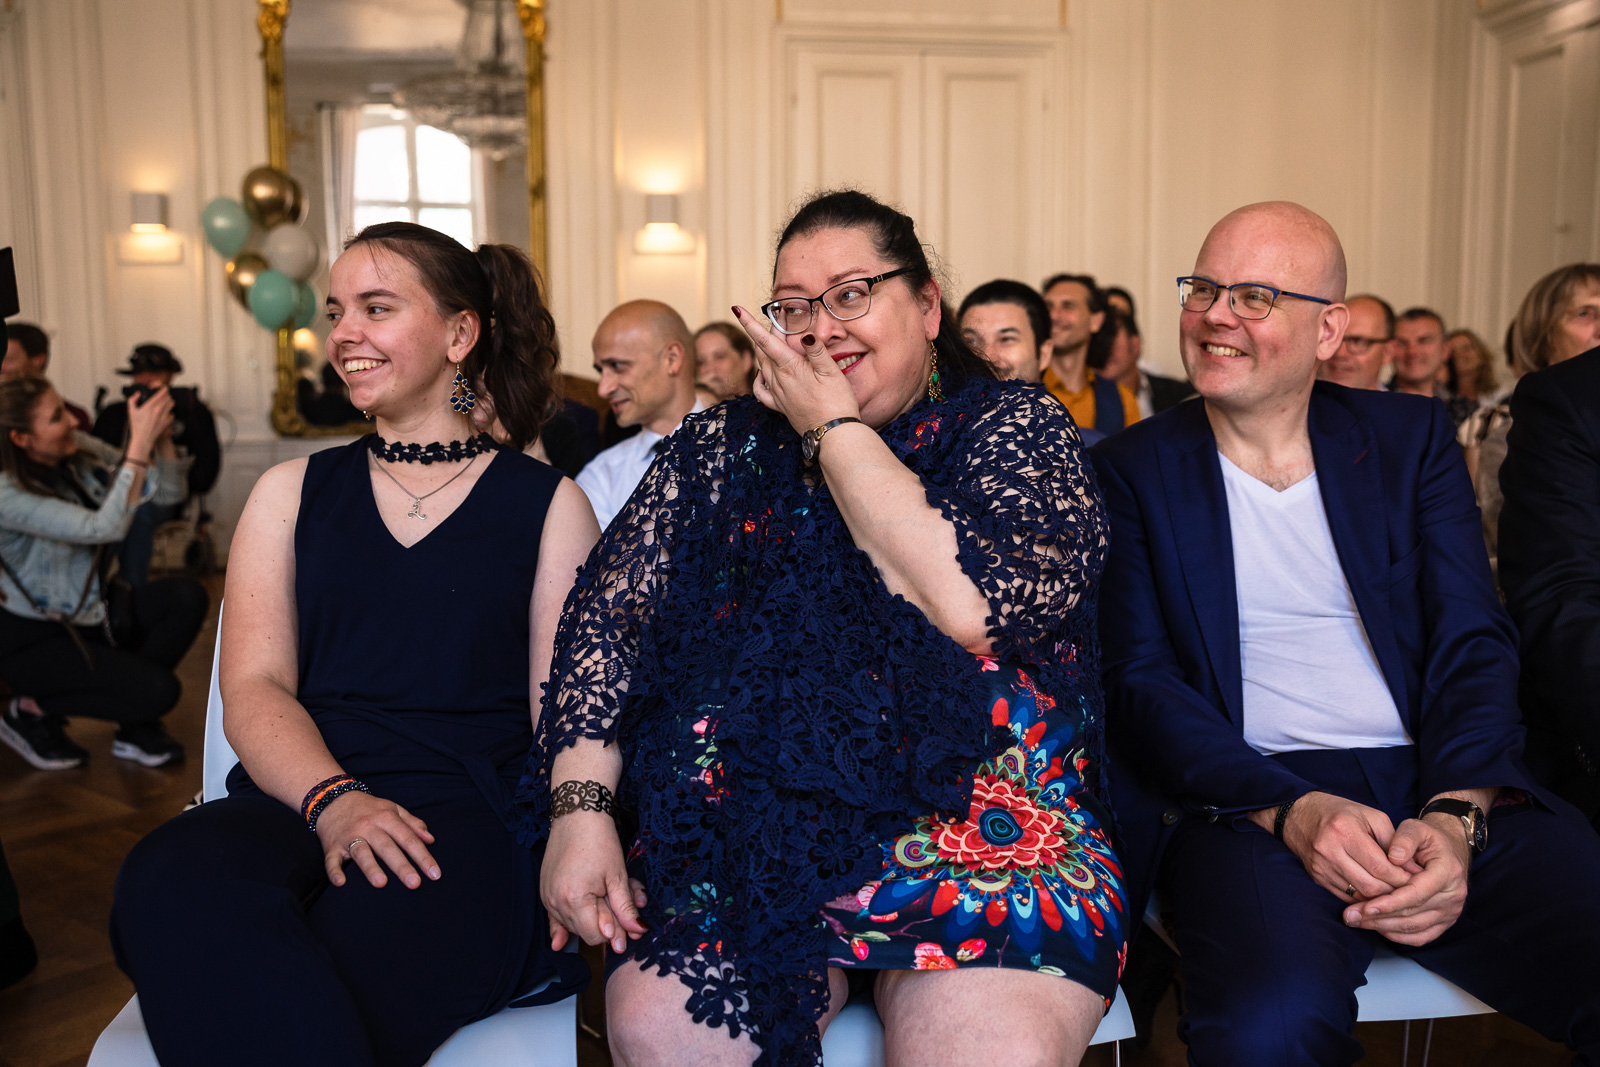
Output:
x=64 y=503
x=194 y=432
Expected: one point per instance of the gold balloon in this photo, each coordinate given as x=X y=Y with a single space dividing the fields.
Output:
x=271 y=197
x=243 y=269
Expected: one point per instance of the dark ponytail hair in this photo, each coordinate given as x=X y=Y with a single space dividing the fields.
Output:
x=515 y=359
x=894 y=237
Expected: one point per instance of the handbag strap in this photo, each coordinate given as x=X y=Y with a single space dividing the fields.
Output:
x=65 y=619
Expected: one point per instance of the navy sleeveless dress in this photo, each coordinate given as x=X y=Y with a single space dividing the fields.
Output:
x=414 y=667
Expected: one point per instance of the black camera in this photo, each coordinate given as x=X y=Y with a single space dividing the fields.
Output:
x=134 y=389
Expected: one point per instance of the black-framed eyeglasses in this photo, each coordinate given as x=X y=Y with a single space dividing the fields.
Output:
x=1249 y=300
x=845 y=301
x=1358 y=346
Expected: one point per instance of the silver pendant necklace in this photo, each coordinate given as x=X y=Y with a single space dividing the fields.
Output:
x=416 y=501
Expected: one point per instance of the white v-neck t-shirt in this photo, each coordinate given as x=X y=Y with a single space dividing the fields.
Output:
x=1311 y=679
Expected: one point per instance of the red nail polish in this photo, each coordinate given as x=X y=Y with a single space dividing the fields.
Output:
x=735 y=310
x=808 y=340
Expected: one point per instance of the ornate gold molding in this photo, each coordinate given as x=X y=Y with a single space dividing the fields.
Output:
x=533 y=30
x=272 y=16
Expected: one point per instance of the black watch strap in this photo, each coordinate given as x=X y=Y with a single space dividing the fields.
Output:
x=1472 y=819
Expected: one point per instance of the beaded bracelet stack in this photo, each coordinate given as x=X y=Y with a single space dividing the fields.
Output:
x=324 y=793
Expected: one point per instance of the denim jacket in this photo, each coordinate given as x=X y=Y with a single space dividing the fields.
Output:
x=50 y=542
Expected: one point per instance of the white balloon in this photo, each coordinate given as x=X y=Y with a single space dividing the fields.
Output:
x=292 y=250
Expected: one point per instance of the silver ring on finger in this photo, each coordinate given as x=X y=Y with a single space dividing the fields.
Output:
x=349 y=850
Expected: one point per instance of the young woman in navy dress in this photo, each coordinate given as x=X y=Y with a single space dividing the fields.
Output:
x=360 y=894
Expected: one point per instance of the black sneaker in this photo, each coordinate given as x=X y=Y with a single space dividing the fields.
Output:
x=40 y=739
x=147 y=743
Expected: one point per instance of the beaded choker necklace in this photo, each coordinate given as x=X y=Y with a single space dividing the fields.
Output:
x=434 y=452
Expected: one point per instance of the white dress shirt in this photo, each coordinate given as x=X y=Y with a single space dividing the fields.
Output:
x=609 y=479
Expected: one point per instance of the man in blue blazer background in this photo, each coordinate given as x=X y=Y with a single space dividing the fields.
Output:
x=1311 y=686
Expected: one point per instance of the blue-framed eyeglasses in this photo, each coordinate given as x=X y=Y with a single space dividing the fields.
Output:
x=1249 y=300
x=845 y=301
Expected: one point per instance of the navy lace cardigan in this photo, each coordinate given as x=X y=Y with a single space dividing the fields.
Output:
x=728 y=598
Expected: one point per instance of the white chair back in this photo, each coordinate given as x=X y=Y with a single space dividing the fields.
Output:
x=219 y=757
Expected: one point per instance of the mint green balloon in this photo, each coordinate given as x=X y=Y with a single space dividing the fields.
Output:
x=305 y=308
x=226 y=224
x=274 y=298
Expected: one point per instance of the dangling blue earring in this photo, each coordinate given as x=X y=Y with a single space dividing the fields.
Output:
x=462 y=398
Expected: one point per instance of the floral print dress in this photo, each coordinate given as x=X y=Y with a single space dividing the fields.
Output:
x=1027 y=880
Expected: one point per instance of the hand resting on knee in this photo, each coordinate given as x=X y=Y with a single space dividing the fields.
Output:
x=366 y=829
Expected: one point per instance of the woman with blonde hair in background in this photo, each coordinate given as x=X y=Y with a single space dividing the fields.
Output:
x=1469 y=367
x=1558 y=319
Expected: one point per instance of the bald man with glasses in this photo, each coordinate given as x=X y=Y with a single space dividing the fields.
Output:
x=1311 y=687
x=1364 y=354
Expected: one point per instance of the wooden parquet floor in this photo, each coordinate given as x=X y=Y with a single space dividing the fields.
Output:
x=66 y=833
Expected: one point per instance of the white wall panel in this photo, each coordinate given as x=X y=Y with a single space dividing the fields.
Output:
x=986 y=204
x=855 y=119
x=1533 y=174
x=1043 y=14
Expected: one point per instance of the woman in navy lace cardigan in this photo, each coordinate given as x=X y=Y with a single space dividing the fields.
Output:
x=836 y=657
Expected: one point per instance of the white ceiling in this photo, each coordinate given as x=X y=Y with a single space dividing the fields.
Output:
x=370 y=28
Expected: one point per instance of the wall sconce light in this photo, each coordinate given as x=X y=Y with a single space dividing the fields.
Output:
x=149 y=213
x=147 y=239
x=661 y=234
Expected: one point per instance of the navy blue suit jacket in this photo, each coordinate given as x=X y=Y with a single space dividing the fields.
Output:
x=1408 y=535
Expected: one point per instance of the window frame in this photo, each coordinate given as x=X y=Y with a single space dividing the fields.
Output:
x=377 y=116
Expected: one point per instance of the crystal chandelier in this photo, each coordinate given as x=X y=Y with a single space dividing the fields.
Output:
x=484 y=99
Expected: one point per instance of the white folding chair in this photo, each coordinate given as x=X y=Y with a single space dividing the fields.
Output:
x=1398 y=989
x=855 y=1037
x=543 y=1036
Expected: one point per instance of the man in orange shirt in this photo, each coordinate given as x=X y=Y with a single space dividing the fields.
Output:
x=1077 y=311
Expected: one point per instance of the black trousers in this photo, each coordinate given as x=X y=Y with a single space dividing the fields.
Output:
x=243 y=953
x=125 y=685
x=1270 y=970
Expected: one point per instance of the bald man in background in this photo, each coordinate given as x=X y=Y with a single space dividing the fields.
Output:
x=1363 y=355
x=1311 y=686
x=644 y=354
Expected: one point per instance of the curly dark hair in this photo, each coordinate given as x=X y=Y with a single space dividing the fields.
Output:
x=517 y=354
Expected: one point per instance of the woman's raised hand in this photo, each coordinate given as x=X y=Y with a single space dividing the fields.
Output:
x=366 y=829
x=585 y=885
x=808 y=389
x=149 y=420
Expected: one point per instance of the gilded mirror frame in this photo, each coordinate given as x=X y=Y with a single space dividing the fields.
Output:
x=271 y=18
